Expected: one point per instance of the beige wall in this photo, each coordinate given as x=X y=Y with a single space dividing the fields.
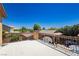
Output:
x=0 y=31
x=36 y=35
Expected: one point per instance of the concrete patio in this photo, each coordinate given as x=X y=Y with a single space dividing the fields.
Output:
x=28 y=48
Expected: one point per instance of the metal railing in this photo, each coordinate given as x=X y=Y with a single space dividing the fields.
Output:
x=67 y=44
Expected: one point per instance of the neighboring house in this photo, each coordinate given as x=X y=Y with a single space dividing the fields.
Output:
x=8 y=29
x=11 y=29
x=58 y=33
x=52 y=32
x=48 y=31
x=5 y=28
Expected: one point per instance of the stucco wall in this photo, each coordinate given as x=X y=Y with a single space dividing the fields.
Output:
x=0 y=31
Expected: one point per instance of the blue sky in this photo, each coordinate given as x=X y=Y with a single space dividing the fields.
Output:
x=47 y=15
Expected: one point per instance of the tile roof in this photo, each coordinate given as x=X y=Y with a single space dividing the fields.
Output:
x=2 y=12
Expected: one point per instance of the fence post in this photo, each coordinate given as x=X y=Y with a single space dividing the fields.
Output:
x=20 y=37
x=36 y=34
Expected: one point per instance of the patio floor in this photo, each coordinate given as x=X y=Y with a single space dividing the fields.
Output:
x=28 y=48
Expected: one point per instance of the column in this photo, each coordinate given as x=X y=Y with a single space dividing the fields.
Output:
x=0 y=31
x=20 y=37
x=36 y=35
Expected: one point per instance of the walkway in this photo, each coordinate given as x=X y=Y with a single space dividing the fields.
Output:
x=28 y=48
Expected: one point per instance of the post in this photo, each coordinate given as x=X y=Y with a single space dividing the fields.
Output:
x=36 y=34
x=54 y=40
x=0 y=31
x=20 y=37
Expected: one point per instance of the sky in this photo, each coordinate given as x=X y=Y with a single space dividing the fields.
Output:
x=46 y=14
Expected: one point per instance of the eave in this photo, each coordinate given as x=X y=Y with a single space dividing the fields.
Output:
x=2 y=11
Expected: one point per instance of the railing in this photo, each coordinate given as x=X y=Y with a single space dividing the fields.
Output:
x=69 y=44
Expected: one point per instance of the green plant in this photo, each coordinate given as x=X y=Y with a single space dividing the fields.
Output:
x=52 y=28
x=70 y=30
x=14 y=37
x=3 y=34
x=37 y=27
x=23 y=29
x=43 y=28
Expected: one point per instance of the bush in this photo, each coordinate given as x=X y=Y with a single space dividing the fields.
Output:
x=14 y=37
x=52 y=28
x=70 y=30
x=23 y=29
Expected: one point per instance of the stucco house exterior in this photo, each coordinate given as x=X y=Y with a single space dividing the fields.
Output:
x=8 y=29
x=2 y=15
x=5 y=28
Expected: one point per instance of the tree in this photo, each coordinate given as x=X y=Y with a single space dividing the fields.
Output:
x=70 y=30
x=75 y=29
x=4 y=34
x=30 y=30
x=52 y=28
x=36 y=27
x=23 y=29
x=43 y=28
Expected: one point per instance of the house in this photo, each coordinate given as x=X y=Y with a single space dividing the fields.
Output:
x=5 y=28
x=53 y=32
x=49 y=32
x=8 y=29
